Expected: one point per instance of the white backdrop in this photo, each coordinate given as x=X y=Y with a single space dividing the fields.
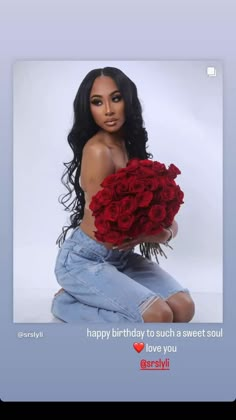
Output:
x=182 y=110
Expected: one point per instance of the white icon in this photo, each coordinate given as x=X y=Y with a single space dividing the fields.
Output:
x=211 y=71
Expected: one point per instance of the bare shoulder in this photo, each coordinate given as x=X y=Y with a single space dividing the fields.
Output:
x=96 y=150
x=97 y=160
x=96 y=146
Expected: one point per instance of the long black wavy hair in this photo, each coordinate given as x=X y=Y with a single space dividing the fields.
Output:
x=84 y=127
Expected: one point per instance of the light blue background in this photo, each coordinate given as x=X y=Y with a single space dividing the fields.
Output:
x=64 y=365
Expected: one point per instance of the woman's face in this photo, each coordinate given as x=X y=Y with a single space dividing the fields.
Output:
x=107 y=105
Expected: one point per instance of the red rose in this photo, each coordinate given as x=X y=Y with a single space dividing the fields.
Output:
x=106 y=196
x=96 y=202
x=125 y=221
x=157 y=213
x=170 y=182
x=146 y=171
x=157 y=196
x=146 y=162
x=115 y=237
x=135 y=185
x=99 y=236
x=167 y=194
x=112 y=211
x=142 y=217
x=144 y=199
x=175 y=206
x=173 y=171
x=120 y=175
x=109 y=181
x=138 y=199
x=179 y=194
x=122 y=188
x=163 y=181
x=128 y=204
x=151 y=184
x=170 y=214
x=132 y=165
x=146 y=225
x=134 y=231
x=102 y=225
x=93 y=206
x=159 y=168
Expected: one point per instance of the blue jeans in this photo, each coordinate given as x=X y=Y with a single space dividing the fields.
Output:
x=102 y=285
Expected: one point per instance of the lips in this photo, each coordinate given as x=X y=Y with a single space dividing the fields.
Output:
x=111 y=120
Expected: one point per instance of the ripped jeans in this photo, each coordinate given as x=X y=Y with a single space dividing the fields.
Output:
x=102 y=285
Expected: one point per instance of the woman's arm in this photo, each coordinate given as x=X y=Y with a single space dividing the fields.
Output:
x=163 y=236
x=97 y=164
x=160 y=238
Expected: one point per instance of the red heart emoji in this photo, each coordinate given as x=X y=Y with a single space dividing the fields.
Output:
x=138 y=347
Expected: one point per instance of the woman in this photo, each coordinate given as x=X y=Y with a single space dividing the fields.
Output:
x=102 y=283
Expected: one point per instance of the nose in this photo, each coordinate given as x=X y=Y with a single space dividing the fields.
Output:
x=108 y=110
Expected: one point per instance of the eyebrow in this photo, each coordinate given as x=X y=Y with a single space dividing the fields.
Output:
x=100 y=96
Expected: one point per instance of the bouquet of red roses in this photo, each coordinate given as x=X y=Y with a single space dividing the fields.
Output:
x=142 y=198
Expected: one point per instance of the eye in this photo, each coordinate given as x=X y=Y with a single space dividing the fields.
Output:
x=96 y=102
x=117 y=98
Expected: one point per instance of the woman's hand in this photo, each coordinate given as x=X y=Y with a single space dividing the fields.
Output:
x=161 y=237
